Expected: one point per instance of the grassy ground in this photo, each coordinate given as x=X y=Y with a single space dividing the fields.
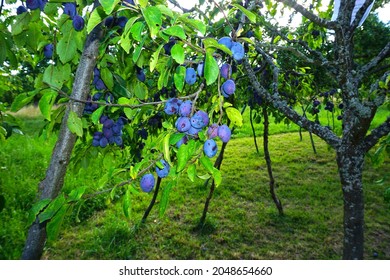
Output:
x=242 y=222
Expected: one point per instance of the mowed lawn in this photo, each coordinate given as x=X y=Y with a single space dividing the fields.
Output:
x=242 y=222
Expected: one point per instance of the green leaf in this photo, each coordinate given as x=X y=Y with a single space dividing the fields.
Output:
x=174 y=138
x=136 y=30
x=177 y=53
x=154 y=60
x=211 y=44
x=217 y=177
x=127 y=204
x=46 y=103
x=138 y=50
x=206 y=162
x=75 y=124
x=36 y=209
x=143 y=3
x=165 y=198
x=191 y=172
x=153 y=18
x=95 y=117
x=251 y=16
x=165 y=10
x=53 y=226
x=165 y=149
x=183 y=155
x=67 y=45
x=52 y=208
x=109 y=5
x=211 y=69
x=107 y=78
x=234 y=115
x=22 y=99
x=176 y=31
x=199 y=25
x=57 y=75
x=179 y=78
x=141 y=90
x=97 y=16
x=76 y=194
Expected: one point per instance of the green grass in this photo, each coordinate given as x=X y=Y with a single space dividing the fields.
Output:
x=242 y=223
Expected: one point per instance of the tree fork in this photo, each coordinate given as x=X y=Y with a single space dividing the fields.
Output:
x=51 y=186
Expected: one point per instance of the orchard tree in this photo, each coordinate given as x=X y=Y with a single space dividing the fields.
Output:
x=141 y=83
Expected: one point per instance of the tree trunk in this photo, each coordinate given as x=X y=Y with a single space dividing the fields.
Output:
x=51 y=186
x=350 y=162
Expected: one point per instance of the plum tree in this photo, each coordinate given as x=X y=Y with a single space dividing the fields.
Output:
x=168 y=44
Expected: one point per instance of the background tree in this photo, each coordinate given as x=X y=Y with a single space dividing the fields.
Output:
x=140 y=59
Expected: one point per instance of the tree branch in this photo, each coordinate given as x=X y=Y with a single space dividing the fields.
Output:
x=376 y=134
x=275 y=100
x=306 y=13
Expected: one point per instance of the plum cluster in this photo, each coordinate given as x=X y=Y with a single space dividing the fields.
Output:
x=192 y=123
x=111 y=133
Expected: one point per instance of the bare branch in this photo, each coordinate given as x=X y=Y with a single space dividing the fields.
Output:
x=306 y=13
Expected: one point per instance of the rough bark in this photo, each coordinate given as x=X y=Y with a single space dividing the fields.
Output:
x=54 y=180
x=350 y=161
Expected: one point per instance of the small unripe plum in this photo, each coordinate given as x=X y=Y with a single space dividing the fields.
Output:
x=147 y=182
x=162 y=173
x=224 y=133
x=210 y=148
x=183 y=124
x=190 y=76
x=78 y=23
x=237 y=51
x=228 y=88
